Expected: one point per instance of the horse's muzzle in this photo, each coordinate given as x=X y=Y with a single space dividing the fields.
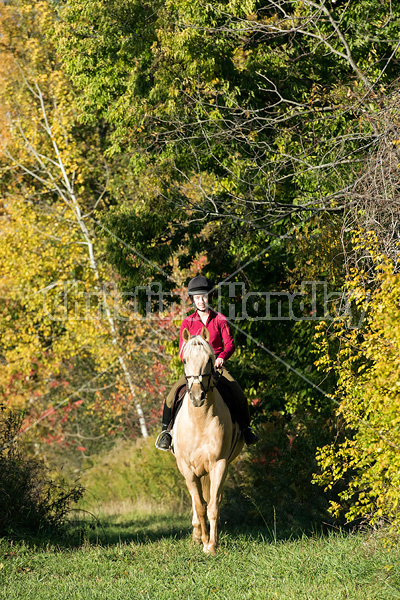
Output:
x=197 y=397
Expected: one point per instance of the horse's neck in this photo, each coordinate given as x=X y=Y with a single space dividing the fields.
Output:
x=208 y=410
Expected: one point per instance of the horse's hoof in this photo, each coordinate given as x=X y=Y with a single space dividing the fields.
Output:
x=197 y=541
x=209 y=549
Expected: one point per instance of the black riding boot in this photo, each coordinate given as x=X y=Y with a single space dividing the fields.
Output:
x=164 y=439
x=243 y=417
x=249 y=436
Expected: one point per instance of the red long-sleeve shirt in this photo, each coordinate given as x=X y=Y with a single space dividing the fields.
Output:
x=221 y=339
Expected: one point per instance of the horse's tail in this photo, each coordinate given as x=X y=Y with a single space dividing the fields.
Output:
x=205 y=487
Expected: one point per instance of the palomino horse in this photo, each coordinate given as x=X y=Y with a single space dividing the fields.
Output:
x=205 y=440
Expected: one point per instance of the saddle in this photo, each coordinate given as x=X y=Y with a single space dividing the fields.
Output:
x=221 y=387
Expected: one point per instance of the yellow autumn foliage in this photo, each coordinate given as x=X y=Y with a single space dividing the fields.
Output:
x=65 y=341
x=367 y=365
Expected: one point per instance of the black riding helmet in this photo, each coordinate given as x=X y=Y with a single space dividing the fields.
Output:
x=199 y=285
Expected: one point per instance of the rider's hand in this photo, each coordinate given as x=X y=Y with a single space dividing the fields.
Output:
x=219 y=362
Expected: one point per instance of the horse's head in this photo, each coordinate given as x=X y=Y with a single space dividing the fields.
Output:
x=198 y=364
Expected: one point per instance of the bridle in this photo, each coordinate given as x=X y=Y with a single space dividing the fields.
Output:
x=199 y=378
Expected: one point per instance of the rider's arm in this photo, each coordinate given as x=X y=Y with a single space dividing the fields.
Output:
x=227 y=338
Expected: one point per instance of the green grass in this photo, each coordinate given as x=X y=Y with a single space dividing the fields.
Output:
x=151 y=556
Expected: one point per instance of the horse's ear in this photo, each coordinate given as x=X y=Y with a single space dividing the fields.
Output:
x=205 y=334
x=186 y=335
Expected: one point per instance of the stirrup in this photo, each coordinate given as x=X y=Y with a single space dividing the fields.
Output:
x=163 y=441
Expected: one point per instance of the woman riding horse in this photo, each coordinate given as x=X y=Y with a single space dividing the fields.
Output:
x=221 y=341
x=206 y=440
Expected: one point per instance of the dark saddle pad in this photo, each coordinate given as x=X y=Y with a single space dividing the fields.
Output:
x=180 y=394
x=223 y=390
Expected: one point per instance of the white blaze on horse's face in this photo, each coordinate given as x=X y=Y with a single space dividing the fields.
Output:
x=198 y=371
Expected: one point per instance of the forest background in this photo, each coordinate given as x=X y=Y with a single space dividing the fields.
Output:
x=254 y=142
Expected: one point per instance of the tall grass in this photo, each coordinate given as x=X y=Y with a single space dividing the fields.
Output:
x=134 y=474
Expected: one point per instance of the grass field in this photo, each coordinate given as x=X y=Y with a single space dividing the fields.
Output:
x=151 y=556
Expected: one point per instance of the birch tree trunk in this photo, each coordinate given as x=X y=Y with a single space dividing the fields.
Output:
x=52 y=172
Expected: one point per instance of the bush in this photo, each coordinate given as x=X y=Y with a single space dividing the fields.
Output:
x=29 y=500
x=368 y=397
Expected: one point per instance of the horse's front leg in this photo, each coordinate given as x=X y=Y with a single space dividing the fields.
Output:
x=200 y=529
x=196 y=524
x=217 y=479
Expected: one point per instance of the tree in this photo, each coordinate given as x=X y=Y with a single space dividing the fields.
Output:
x=251 y=113
x=54 y=179
x=254 y=121
x=375 y=197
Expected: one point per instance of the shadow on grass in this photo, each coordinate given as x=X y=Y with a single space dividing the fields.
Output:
x=108 y=531
x=88 y=529
x=85 y=528
x=111 y=530
x=152 y=528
